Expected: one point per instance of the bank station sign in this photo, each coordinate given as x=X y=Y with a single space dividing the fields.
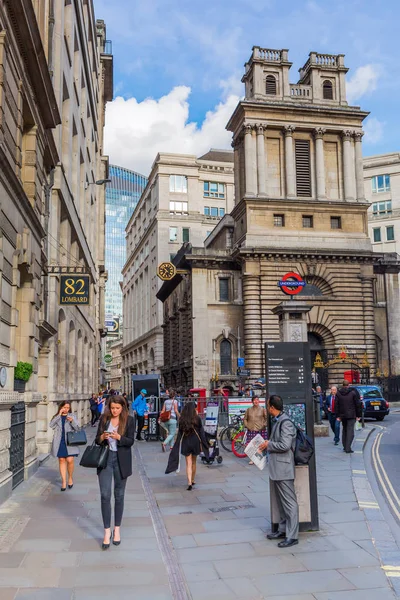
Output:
x=75 y=289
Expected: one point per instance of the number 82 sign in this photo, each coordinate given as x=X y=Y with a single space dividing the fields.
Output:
x=74 y=289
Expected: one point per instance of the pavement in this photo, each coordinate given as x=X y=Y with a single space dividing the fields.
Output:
x=207 y=543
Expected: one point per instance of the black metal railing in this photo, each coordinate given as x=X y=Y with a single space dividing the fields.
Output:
x=17 y=443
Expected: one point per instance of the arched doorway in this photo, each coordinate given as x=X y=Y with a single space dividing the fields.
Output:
x=317 y=349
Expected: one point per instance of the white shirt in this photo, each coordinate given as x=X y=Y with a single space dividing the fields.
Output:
x=111 y=442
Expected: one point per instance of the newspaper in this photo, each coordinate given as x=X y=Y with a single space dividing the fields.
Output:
x=260 y=459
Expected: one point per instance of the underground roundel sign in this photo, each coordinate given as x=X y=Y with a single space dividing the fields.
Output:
x=291 y=283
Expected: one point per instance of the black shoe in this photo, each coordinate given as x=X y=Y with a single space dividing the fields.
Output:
x=287 y=542
x=115 y=543
x=189 y=488
x=276 y=535
x=105 y=546
x=349 y=451
x=63 y=489
x=336 y=443
x=70 y=486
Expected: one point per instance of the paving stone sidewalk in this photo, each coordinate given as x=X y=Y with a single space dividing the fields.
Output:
x=216 y=537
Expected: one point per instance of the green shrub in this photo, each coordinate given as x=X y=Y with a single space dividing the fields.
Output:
x=23 y=371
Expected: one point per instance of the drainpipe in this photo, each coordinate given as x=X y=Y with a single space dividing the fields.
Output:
x=387 y=325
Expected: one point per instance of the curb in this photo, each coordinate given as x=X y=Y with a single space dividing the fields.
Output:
x=382 y=538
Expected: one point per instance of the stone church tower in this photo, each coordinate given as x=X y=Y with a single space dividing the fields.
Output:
x=300 y=207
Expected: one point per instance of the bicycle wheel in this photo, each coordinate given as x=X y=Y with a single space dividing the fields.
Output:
x=227 y=436
x=239 y=444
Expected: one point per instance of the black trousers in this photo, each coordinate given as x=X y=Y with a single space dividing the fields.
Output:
x=348 y=433
x=95 y=415
x=106 y=477
x=140 y=425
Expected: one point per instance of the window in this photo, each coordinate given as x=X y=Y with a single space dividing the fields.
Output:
x=178 y=207
x=377 y=234
x=214 y=211
x=382 y=208
x=390 y=233
x=185 y=234
x=381 y=183
x=172 y=256
x=279 y=220
x=225 y=351
x=303 y=169
x=308 y=221
x=214 y=190
x=270 y=85
x=336 y=222
x=221 y=212
x=327 y=89
x=173 y=234
x=178 y=183
x=207 y=211
x=224 y=289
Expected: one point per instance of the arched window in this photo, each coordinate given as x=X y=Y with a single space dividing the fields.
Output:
x=225 y=351
x=328 y=90
x=270 y=85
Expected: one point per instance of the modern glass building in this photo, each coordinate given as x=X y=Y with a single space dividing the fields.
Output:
x=122 y=195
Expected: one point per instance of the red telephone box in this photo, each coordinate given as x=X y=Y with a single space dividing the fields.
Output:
x=352 y=376
x=200 y=394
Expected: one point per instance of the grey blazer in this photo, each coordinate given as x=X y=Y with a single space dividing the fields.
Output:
x=56 y=424
x=282 y=442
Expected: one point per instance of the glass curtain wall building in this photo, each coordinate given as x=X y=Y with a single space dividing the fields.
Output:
x=122 y=195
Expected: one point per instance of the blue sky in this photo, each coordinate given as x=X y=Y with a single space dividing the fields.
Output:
x=178 y=65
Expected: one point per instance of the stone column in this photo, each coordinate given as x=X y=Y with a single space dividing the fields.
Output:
x=236 y=166
x=348 y=166
x=261 y=161
x=369 y=319
x=320 y=161
x=359 y=165
x=249 y=160
x=289 y=161
x=252 y=324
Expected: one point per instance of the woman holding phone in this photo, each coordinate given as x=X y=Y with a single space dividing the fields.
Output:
x=62 y=423
x=117 y=429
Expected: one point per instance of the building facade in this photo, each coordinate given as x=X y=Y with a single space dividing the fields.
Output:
x=122 y=195
x=300 y=207
x=56 y=79
x=183 y=201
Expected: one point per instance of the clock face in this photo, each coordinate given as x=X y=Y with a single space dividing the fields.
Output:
x=3 y=376
x=166 y=271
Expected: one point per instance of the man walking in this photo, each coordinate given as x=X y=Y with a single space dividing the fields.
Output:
x=140 y=407
x=348 y=410
x=330 y=406
x=280 y=448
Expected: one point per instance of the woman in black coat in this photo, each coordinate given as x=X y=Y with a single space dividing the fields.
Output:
x=117 y=429
x=190 y=441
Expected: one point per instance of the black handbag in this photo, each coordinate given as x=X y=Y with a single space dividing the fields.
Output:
x=95 y=456
x=76 y=438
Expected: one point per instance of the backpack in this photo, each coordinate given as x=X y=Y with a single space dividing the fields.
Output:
x=304 y=448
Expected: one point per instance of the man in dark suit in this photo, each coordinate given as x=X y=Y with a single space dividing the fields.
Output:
x=280 y=448
x=348 y=411
x=330 y=406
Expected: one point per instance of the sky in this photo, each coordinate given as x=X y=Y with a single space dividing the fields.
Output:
x=178 y=66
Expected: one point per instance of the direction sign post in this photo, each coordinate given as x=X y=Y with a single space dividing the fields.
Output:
x=288 y=374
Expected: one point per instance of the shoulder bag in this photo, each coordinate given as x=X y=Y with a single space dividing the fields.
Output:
x=95 y=456
x=76 y=438
x=166 y=415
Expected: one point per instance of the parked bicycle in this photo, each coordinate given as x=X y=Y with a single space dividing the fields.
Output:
x=231 y=431
x=239 y=444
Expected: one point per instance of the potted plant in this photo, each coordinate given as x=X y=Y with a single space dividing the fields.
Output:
x=22 y=372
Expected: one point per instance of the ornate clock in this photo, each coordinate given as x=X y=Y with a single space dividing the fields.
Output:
x=166 y=271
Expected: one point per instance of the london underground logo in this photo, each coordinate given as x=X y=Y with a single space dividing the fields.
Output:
x=291 y=283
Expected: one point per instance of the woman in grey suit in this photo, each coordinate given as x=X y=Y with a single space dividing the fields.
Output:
x=63 y=422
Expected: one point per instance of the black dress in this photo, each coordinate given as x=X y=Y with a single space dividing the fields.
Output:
x=186 y=444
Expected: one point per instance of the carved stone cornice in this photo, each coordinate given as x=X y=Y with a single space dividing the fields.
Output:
x=319 y=133
x=288 y=130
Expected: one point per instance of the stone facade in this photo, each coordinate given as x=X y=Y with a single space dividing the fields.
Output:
x=54 y=82
x=113 y=375
x=183 y=200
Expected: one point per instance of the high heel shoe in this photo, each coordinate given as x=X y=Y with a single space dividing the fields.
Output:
x=106 y=546
x=63 y=489
x=189 y=488
x=115 y=542
x=70 y=486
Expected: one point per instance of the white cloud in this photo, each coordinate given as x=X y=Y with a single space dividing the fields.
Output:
x=364 y=81
x=136 y=131
x=373 y=129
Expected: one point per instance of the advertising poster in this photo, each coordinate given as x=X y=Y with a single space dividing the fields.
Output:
x=238 y=406
x=211 y=420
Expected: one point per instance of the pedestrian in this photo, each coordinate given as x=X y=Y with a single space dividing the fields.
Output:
x=170 y=407
x=94 y=410
x=62 y=423
x=280 y=448
x=320 y=397
x=117 y=429
x=101 y=402
x=348 y=411
x=330 y=406
x=139 y=406
x=190 y=442
x=255 y=421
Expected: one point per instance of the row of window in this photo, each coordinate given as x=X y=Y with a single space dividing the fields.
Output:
x=380 y=183
x=271 y=87
x=214 y=211
x=211 y=189
x=308 y=221
x=389 y=234
x=173 y=234
x=382 y=208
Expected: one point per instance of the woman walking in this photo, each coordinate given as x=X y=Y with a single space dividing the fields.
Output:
x=255 y=421
x=93 y=410
x=63 y=422
x=170 y=407
x=190 y=442
x=117 y=429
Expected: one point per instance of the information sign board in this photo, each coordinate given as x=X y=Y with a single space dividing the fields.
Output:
x=74 y=289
